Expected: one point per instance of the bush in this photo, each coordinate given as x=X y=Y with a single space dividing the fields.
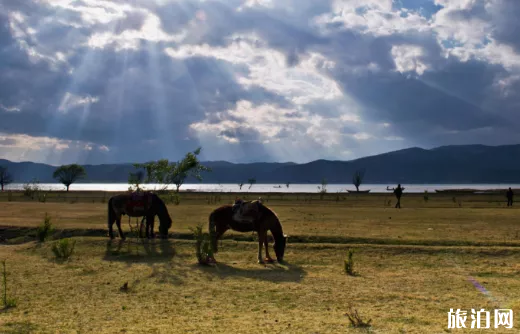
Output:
x=349 y=263
x=425 y=196
x=355 y=319
x=63 y=248
x=203 y=248
x=42 y=198
x=31 y=188
x=45 y=229
x=175 y=198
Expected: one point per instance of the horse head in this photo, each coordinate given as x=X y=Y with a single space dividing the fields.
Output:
x=279 y=246
x=164 y=217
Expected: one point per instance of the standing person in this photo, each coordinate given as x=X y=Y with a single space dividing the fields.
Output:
x=398 y=193
x=509 y=195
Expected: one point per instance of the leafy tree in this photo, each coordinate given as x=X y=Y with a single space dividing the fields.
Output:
x=135 y=180
x=251 y=181
x=357 y=178
x=167 y=173
x=5 y=177
x=68 y=174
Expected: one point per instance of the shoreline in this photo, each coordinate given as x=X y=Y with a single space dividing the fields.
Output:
x=461 y=191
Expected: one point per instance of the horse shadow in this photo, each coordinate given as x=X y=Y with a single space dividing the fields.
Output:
x=276 y=272
x=140 y=251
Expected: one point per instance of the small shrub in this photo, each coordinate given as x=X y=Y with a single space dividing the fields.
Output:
x=42 y=198
x=175 y=198
x=8 y=302
x=31 y=188
x=63 y=248
x=349 y=263
x=425 y=196
x=355 y=319
x=203 y=247
x=45 y=229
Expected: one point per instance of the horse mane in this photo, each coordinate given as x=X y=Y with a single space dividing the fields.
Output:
x=275 y=228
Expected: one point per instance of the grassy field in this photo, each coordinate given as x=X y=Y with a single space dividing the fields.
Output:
x=412 y=266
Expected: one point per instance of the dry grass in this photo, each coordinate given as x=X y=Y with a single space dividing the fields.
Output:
x=402 y=288
x=481 y=219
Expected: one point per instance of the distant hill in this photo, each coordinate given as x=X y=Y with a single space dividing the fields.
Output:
x=446 y=164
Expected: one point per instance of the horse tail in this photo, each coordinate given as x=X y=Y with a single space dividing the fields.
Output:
x=212 y=228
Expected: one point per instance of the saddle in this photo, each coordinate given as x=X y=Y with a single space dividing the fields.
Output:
x=139 y=202
x=246 y=211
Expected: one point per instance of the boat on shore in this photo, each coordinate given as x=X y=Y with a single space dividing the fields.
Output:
x=458 y=191
x=471 y=191
x=358 y=192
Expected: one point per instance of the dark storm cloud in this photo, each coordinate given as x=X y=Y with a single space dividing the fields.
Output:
x=142 y=89
x=506 y=22
x=142 y=101
x=277 y=29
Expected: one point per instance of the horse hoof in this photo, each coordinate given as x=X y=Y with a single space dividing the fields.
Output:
x=269 y=260
x=261 y=262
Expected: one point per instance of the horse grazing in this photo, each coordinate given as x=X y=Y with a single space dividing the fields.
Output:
x=248 y=217
x=140 y=204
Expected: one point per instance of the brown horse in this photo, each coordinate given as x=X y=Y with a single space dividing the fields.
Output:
x=262 y=220
x=140 y=204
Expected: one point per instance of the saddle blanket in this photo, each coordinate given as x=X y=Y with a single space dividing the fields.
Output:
x=139 y=202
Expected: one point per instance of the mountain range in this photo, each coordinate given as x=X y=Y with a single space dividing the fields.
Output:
x=446 y=164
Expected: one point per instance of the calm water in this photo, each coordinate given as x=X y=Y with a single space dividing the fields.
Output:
x=266 y=188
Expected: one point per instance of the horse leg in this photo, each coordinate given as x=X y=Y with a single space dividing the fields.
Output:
x=267 y=256
x=118 y=223
x=141 y=228
x=110 y=229
x=261 y=238
x=150 y=222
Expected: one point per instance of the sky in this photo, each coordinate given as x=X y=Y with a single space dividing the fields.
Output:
x=94 y=81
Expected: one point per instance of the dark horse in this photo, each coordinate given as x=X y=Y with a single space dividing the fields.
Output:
x=146 y=204
x=221 y=219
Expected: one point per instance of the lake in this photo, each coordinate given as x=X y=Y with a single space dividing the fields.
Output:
x=267 y=188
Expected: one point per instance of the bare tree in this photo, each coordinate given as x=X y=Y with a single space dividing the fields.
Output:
x=251 y=181
x=357 y=178
x=241 y=184
x=5 y=177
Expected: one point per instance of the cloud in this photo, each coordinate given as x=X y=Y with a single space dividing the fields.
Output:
x=28 y=148
x=102 y=81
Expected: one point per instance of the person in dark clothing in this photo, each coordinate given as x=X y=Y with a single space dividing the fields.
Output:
x=398 y=193
x=509 y=195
